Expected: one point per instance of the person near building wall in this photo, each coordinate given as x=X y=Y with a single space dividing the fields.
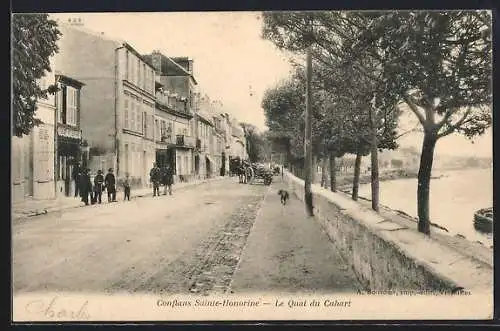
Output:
x=155 y=178
x=85 y=186
x=168 y=179
x=76 y=178
x=98 y=186
x=110 y=183
x=126 y=187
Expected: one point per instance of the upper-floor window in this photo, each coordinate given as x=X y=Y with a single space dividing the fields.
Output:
x=163 y=129
x=143 y=82
x=126 y=66
x=152 y=81
x=126 y=103
x=68 y=105
x=138 y=115
x=138 y=73
x=130 y=71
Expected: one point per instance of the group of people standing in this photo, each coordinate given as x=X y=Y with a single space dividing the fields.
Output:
x=161 y=176
x=91 y=193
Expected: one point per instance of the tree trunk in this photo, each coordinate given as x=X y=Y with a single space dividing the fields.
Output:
x=333 y=173
x=314 y=173
x=324 y=164
x=355 y=181
x=308 y=138
x=374 y=161
x=424 y=180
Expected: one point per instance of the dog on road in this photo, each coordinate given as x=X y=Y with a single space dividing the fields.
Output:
x=284 y=196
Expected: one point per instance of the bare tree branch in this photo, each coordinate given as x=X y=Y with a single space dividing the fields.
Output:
x=410 y=102
x=457 y=124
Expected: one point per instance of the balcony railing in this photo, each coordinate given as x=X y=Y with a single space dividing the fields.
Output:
x=166 y=138
x=183 y=140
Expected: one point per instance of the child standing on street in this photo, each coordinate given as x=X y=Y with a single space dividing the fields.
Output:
x=126 y=186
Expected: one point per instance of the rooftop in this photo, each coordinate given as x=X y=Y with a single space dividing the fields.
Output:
x=169 y=67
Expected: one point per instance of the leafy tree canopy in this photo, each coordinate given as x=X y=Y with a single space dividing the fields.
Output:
x=34 y=42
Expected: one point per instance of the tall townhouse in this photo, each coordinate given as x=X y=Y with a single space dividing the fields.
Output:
x=174 y=140
x=219 y=149
x=205 y=162
x=238 y=143
x=33 y=155
x=226 y=125
x=175 y=112
x=118 y=106
x=69 y=141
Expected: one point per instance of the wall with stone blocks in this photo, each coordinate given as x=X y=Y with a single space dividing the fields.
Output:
x=387 y=255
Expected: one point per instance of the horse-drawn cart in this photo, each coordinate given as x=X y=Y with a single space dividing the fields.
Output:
x=254 y=171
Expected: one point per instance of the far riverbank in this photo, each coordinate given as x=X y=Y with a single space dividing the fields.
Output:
x=344 y=182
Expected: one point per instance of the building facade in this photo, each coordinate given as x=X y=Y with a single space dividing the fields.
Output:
x=176 y=90
x=204 y=162
x=33 y=155
x=237 y=146
x=68 y=133
x=118 y=106
x=175 y=141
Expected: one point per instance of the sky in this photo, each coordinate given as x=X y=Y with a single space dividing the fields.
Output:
x=232 y=63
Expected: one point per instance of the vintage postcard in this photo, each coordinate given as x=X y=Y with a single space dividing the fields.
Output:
x=189 y=166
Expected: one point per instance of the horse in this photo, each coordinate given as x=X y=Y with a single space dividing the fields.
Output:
x=241 y=172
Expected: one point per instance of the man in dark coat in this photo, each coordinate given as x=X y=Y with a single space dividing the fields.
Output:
x=98 y=186
x=155 y=177
x=110 y=183
x=76 y=177
x=168 y=179
x=85 y=186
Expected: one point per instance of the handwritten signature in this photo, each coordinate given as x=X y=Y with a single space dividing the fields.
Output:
x=55 y=309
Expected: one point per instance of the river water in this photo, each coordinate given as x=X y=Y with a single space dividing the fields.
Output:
x=453 y=199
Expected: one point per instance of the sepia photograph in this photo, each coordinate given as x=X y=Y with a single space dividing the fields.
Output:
x=252 y=165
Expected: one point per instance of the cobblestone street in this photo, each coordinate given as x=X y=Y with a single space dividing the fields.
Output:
x=188 y=243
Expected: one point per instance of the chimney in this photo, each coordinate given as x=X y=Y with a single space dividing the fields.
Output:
x=190 y=66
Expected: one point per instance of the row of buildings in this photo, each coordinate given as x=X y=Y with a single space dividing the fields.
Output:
x=117 y=108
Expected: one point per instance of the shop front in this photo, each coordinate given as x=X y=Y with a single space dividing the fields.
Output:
x=68 y=156
x=166 y=156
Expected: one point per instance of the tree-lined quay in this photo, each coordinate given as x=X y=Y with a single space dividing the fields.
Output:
x=369 y=67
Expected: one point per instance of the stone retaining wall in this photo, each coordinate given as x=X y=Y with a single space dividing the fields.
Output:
x=387 y=255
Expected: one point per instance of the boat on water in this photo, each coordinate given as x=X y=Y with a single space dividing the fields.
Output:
x=483 y=220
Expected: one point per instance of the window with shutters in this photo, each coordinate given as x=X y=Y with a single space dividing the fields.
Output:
x=143 y=83
x=138 y=72
x=132 y=113
x=126 y=158
x=71 y=106
x=130 y=71
x=138 y=114
x=126 y=111
x=126 y=65
x=144 y=123
x=60 y=105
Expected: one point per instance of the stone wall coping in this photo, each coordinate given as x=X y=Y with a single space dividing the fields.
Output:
x=438 y=258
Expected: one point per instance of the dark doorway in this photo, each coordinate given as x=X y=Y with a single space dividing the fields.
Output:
x=223 y=166
x=197 y=164
x=208 y=167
